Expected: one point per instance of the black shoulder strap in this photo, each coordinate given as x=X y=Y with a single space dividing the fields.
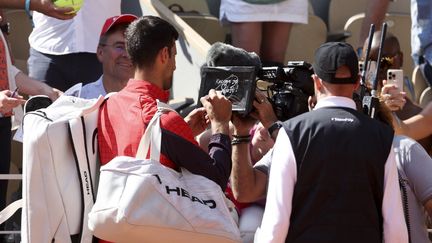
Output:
x=404 y=195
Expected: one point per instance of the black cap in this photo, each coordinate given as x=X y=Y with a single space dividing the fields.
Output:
x=332 y=55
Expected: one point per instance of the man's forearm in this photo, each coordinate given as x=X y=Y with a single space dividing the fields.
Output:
x=243 y=178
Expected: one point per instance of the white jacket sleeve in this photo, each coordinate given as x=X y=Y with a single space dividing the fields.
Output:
x=283 y=176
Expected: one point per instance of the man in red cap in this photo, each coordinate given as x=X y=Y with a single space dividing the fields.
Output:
x=111 y=52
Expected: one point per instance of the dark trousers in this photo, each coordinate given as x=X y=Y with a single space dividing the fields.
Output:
x=5 y=156
x=64 y=71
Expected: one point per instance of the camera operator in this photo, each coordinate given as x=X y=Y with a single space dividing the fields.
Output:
x=249 y=182
x=314 y=181
x=249 y=179
x=287 y=89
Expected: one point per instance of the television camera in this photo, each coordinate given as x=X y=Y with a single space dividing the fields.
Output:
x=289 y=89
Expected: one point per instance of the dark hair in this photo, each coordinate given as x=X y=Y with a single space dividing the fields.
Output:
x=384 y=114
x=103 y=39
x=146 y=36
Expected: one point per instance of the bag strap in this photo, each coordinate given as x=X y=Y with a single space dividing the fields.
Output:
x=152 y=136
x=78 y=139
x=6 y=213
x=76 y=129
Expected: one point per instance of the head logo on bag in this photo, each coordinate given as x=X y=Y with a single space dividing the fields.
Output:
x=184 y=193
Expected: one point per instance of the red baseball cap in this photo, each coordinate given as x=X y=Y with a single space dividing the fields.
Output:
x=120 y=19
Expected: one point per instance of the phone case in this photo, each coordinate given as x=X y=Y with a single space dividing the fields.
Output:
x=395 y=76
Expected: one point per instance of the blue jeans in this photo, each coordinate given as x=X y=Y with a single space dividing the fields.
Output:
x=64 y=71
x=421 y=30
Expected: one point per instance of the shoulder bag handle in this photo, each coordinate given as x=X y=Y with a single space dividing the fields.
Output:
x=152 y=136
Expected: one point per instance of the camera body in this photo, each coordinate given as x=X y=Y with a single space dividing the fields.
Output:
x=290 y=88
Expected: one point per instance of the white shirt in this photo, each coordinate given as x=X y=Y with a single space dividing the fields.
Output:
x=283 y=177
x=80 y=34
x=93 y=90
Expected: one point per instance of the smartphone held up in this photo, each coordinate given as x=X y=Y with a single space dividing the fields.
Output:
x=395 y=76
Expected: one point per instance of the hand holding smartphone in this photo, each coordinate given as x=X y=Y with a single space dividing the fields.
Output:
x=395 y=76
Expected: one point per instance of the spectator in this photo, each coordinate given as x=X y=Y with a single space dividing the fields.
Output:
x=150 y=43
x=421 y=36
x=413 y=165
x=321 y=191
x=392 y=58
x=111 y=52
x=63 y=52
x=12 y=80
x=263 y=28
x=374 y=14
x=421 y=30
x=43 y=6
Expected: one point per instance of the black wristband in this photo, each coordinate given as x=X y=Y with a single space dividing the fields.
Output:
x=274 y=127
x=235 y=141
x=240 y=136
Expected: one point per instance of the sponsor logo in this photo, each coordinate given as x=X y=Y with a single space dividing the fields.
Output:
x=86 y=183
x=181 y=192
x=338 y=119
